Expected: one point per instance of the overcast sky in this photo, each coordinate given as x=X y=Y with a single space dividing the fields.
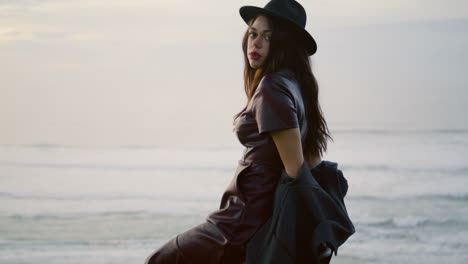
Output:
x=155 y=72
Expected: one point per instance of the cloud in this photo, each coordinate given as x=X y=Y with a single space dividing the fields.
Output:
x=132 y=60
x=157 y=22
x=32 y=34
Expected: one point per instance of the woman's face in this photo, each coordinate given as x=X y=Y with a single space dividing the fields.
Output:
x=258 y=42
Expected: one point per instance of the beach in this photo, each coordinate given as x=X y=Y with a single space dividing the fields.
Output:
x=116 y=204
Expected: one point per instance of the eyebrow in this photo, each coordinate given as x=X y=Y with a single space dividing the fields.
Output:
x=263 y=30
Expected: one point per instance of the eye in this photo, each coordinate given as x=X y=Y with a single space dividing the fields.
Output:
x=268 y=37
x=252 y=34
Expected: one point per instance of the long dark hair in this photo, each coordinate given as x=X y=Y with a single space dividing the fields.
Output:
x=288 y=51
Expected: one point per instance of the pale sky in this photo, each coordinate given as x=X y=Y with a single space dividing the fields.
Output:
x=106 y=72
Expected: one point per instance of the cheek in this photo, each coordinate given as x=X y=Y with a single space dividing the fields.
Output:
x=267 y=48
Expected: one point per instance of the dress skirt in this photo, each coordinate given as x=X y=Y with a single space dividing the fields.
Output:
x=245 y=206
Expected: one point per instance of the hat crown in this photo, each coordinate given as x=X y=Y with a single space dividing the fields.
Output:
x=289 y=9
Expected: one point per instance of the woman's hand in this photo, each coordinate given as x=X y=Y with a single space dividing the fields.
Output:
x=289 y=146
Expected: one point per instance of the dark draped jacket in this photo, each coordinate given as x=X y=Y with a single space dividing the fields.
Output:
x=309 y=211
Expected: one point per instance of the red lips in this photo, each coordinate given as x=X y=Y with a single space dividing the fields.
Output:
x=254 y=55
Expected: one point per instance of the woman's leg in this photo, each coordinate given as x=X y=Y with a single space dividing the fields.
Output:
x=204 y=243
x=168 y=253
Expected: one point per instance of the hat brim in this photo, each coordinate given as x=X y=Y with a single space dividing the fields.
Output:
x=249 y=12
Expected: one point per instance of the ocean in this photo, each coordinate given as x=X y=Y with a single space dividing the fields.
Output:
x=407 y=197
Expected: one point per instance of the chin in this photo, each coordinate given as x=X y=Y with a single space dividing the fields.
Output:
x=255 y=65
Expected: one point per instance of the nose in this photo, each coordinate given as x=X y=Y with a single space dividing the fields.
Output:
x=258 y=42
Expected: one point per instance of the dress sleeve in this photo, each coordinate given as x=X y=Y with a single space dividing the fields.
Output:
x=273 y=105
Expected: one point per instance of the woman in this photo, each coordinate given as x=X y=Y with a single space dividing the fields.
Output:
x=281 y=126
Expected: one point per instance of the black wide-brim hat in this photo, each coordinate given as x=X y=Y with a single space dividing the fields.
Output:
x=288 y=11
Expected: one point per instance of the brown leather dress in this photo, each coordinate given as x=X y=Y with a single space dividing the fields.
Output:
x=247 y=203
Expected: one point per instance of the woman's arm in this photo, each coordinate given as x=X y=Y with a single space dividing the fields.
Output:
x=288 y=143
